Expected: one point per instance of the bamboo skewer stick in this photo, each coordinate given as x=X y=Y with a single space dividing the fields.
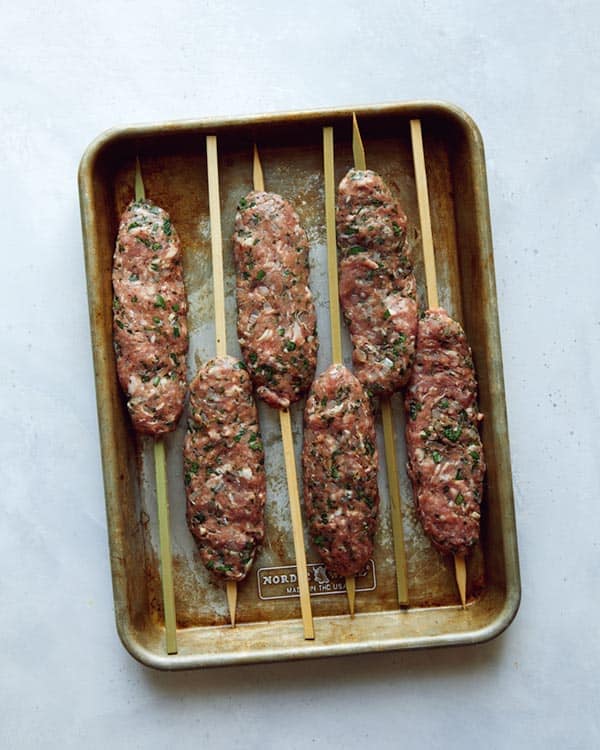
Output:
x=332 y=273
x=216 y=241
x=290 y=469
x=162 y=501
x=460 y=570
x=389 y=437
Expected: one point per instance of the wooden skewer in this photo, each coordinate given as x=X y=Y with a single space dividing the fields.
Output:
x=231 y=588
x=460 y=570
x=290 y=469
x=460 y=573
x=332 y=273
x=162 y=501
x=216 y=241
x=164 y=534
x=389 y=437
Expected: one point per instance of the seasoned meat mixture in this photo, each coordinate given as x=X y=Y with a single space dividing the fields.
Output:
x=276 y=314
x=445 y=454
x=224 y=470
x=149 y=317
x=339 y=461
x=377 y=285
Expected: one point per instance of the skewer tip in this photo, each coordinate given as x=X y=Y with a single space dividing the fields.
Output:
x=232 y=600
x=460 y=572
x=351 y=593
x=140 y=192
x=358 y=150
x=257 y=173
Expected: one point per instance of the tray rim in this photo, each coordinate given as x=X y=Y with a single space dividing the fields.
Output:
x=143 y=654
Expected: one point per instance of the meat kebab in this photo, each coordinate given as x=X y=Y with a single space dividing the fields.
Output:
x=151 y=341
x=223 y=452
x=378 y=296
x=377 y=285
x=445 y=453
x=224 y=469
x=277 y=327
x=149 y=317
x=339 y=456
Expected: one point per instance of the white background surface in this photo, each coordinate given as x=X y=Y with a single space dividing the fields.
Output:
x=528 y=72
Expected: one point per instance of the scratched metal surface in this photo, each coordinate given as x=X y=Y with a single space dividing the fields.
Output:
x=174 y=169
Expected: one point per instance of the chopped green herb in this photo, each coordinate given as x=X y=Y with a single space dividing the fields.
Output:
x=459 y=499
x=335 y=474
x=175 y=307
x=243 y=203
x=386 y=314
x=239 y=365
x=255 y=443
x=133 y=225
x=176 y=331
x=175 y=359
x=290 y=346
x=156 y=320
x=156 y=381
x=459 y=474
x=474 y=455
x=260 y=275
x=319 y=540
x=452 y=433
x=120 y=324
x=134 y=277
x=437 y=457
x=355 y=249
x=253 y=356
x=155 y=266
x=444 y=403
x=414 y=408
x=167 y=228
x=156 y=246
x=159 y=301
x=397 y=229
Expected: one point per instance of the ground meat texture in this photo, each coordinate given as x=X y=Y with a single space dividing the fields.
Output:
x=277 y=325
x=149 y=318
x=377 y=285
x=339 y=460
x=445 y=455
x=224 y=469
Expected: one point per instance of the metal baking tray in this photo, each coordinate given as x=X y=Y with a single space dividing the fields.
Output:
x=269 y=626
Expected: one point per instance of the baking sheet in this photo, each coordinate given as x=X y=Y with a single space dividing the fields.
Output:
x=174 y=169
